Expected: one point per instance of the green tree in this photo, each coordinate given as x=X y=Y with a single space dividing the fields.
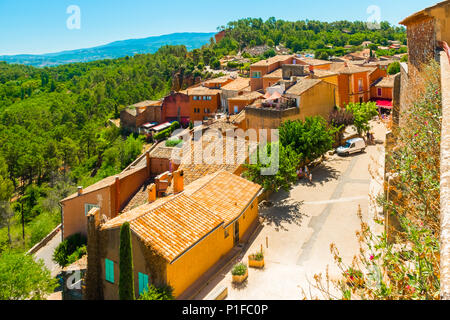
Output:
x=362 y=114
x=309 y=139
x=126 y=281
x=394 y=68
x=285 y=174
x=22 y=278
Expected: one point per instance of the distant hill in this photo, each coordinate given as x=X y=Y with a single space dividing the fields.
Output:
x=112 y=50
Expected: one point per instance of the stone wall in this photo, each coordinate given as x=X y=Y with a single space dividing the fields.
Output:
x=421 y=42
x=445 y=178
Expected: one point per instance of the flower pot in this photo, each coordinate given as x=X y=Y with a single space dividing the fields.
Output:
x=240 y=279
x=255 y=263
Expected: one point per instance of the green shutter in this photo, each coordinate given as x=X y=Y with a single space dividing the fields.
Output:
x=109 y=270
x=143 y=282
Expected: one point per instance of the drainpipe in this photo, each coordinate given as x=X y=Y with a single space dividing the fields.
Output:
x=62 y=220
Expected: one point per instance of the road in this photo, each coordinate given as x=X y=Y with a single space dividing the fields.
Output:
x=46 y=253
x=302 y=223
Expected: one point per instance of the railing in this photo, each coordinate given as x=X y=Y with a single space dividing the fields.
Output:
x=445 y=177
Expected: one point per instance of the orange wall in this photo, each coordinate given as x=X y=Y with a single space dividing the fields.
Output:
x=130 y=183
x=386 y=93
x=74 y=218
x=212 y=105
x=194 y=263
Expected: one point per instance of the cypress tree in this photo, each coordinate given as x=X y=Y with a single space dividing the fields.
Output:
x=126 y=281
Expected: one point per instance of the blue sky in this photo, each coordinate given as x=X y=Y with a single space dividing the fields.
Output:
x=31 y=26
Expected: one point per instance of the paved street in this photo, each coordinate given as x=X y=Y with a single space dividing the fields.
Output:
x=46 y=254
x=302 y=223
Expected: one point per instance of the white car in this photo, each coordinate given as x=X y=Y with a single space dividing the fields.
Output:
x=351 y=146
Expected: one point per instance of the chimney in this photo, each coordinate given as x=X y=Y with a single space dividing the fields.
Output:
x=151 y=193
x=80 y=191
x=178 y=181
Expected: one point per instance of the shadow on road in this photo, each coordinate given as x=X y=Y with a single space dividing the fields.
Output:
x=283 y=210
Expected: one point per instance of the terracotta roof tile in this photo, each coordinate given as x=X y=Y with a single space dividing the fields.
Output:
x=173 y=224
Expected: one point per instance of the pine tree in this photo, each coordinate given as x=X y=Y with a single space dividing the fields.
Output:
x=126 y=281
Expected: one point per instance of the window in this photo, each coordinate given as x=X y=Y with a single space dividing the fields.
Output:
x=379 y=92
x=226 y=233
x=360 y=85
x=205 y=98
x=205 y=110
x=109 y=270
x=256 y=74
x=194 y=98
x=88 y=207
x=143 y=282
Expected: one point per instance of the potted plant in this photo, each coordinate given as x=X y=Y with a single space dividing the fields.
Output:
x=256 y=260
x=239 y=272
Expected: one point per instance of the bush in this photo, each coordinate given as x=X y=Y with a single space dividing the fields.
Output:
x=239 y=269
x=70 y=249
x=393 y=68
x=258 y=256
x=154 y=293
x=173 y=143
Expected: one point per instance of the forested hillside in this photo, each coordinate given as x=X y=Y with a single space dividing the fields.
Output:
x=53 y=121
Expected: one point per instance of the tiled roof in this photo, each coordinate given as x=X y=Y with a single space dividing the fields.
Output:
x=278 y=73
x=350 y=69
x=314 y=62
x=386 y=82
x=238 y=84
x=218 y=80
x=174 y=224
x=247 y=96
x=303 y=85
x=271 y=60
x=202 y=91
x=324 y=73
x=162 y=152
x=227 y=195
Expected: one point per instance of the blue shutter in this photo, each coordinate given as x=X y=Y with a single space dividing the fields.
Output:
x=109 y=270
x=143 y=282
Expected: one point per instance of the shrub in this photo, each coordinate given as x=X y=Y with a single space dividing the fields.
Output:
x=258 y=256
x=239 y=269
x=160 y=293
x=64 y=252
x=126 y=282
x=173 y=142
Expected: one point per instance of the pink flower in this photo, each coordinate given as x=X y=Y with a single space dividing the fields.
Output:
x=416 y=135
x=371 y=257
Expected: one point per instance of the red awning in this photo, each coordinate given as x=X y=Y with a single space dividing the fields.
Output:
x=384 y=103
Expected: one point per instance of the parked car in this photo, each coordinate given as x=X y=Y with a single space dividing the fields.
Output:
x=351 y=146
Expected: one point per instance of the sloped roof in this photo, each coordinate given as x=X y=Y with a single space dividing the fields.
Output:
x=314 y=62
x=351 y=68
x=238 y=84
x=278 y=73
x=386 y=82
x=202 y=91
x=176 y=223
x=271 y=60
x=302 y=86
x=423 y=13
